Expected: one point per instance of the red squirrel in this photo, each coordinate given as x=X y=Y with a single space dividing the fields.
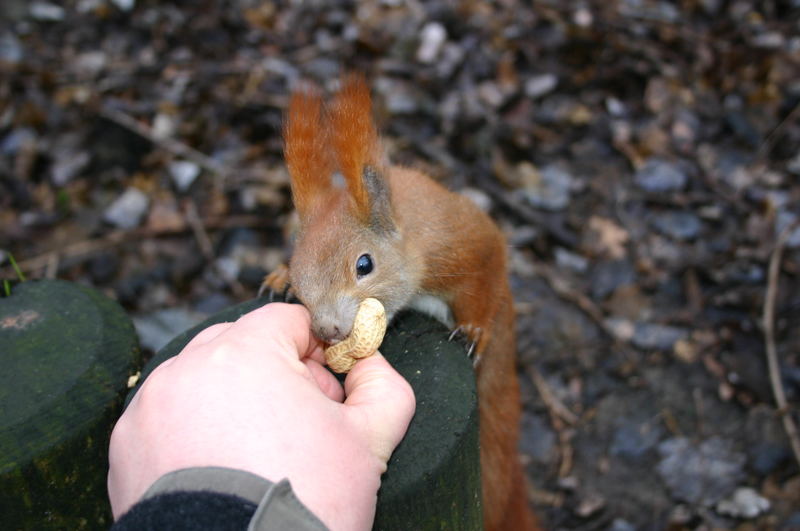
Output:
x=370 y=229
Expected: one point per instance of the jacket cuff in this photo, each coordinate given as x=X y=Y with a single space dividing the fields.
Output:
x=277 y=505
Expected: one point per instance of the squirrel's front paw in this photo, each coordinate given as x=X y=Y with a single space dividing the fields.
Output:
x=277 y=284
x=472 y=334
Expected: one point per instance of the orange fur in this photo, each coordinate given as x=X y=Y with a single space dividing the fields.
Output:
x=355 y=139
x=307 y=150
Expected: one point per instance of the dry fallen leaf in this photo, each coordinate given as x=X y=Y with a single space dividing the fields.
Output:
x=611 y=238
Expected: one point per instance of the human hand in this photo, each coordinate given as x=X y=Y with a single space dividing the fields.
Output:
x=253 y=395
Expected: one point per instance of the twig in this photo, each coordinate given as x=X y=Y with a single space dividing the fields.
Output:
x=199 y=231
x=52 y=266
x=207 y=248
x=769 y=340
x=554 y=405
x=567 y=452
x=561 y=287
x=117 y=237
x=170 y=144
x=559 y=416
x=769 y=142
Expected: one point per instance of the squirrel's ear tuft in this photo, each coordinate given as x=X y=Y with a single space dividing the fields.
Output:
x=307 y=149
x=356 y=143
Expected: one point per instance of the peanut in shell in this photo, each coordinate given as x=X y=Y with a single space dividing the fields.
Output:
x=365 y=338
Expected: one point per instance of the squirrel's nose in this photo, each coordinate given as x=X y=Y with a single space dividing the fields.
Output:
x=328 y=332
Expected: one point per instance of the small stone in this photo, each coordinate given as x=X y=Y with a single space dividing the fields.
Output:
x=680 y=515
x=452 y=56
x=767 y=444
x=228 y=267
x=124 y=5
x=622 y=329
x=164 y=126
x=677 y=225
x=685 y=130
x=539 y=442
x=91 y=63
x=86 y=6
x=280 y=67
x=616 y=108
x=538 y=86
x=432 y=37
x=67 y=165
x=583 y=17
x=127 y=211
x=609 y=275
x=570 y=260
x=657 y=95
x=212 y=303
x=633 y=440
x=702 y=473
x=783 y=220
x=183 y=173
x=590 y=505
x=19 y=138
x=771 y=40
x=11 y=50
x=523 y=236
x=491 y=94
x=160 y=327
x=620 y=524
x=479 y=197
x=550 y=189
x=46 y=12
x=660 y=176
x=794 y=164
x=744 y=503
x=398 y=96
x=657 y=336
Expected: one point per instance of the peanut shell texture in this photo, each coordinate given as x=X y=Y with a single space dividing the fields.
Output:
x=367 y=334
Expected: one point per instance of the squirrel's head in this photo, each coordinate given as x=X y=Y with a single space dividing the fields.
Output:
x=349 y=246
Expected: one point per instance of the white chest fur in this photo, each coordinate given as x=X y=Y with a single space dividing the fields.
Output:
x=435 y=307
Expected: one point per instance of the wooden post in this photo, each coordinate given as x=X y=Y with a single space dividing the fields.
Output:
x=66 y=352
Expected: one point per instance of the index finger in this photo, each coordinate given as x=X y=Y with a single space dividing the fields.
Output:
x=286 y=325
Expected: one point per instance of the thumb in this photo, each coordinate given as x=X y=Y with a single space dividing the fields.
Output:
x=382 y=403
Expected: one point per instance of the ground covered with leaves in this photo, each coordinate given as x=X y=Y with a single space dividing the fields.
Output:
x=641 y=156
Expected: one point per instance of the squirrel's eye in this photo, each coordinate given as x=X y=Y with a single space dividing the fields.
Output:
x=364 y=265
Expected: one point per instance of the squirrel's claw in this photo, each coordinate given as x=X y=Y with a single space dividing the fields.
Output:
x=277 y=282
x=284 y=295
x=472 y=334
x=456 y=331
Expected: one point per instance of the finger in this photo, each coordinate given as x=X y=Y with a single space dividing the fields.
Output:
x=208 y=334
x=384 y=398
x=288 y=325
x=326 y=381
